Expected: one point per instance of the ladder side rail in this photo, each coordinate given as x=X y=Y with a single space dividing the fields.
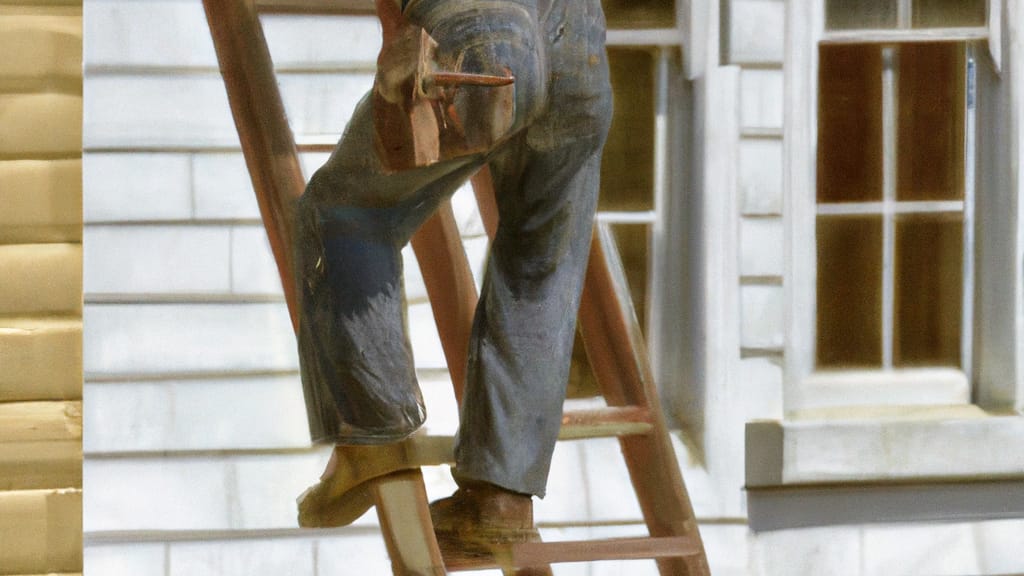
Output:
x=615 y=347
x=259 y=115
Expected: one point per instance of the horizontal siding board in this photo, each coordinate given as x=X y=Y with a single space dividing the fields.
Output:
x=41 y=358
x=318 y=41
x=40 y=50
x=223 y=188
x=187 y=338
x=198 y=493
x=157 y=259
x=253 y=268
x=204 y=414
x=41 y=531
x=42 y=201
x=125 y=559
x=40 y=445
x=174 y=34
x=143 y=112
x=40 y=125
x=243 y=558
x=148 y=33
x=756 y=31
x=40 y=279
x=191 y=110
x=137 y=187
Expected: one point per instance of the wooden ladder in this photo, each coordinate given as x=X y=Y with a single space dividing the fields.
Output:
x=389 y=476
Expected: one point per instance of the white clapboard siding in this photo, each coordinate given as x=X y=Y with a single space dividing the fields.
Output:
x=761 y=99
x=760 y=176
x=187 y=338
x=756 y=31
x=138 y=186
x=761 y=246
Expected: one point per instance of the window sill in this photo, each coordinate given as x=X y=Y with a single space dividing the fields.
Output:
x=884 y=464
x=906 y=387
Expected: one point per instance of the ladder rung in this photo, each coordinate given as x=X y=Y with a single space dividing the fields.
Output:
x=605 y=422
x=324 y=7
x=543 y=553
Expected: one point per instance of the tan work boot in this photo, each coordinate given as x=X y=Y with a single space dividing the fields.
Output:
x=480 y=518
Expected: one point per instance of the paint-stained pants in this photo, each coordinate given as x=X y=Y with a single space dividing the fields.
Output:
x=353 y=220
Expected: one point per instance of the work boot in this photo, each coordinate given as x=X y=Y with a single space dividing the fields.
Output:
x=480 y=518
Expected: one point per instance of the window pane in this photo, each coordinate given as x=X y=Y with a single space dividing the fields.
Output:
x=639 y=13
x=949 y=13
x=850 y=124
x=849 y=291
x=931 y=122
x=929 y=289
x=862 y=14
x=627 y=167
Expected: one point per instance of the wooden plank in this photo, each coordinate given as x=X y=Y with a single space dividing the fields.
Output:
x=40 y=445
x=605 y=423
x=406 y=526
x=40 y=125
x=542 y=553
x=29 y=353
x=40 y=278
x=42 y=52
x=42 y=201
x=41 y=531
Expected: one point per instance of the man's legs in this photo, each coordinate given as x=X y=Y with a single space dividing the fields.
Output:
x=546 y=185
x=357 y=370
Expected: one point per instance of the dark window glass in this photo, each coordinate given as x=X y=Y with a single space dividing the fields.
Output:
x=627 y=167
x=861 y=14
x=949 y=13
x=929 y=289
x=930 y=153
x=850 y=124
x=849 y=291
x=640 y=13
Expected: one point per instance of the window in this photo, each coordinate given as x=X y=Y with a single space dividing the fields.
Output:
x=893 y=206
x=883 y=261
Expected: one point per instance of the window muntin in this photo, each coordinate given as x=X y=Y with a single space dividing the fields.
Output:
x=893 y=206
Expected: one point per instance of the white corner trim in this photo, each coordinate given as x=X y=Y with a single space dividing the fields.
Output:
x=956 y=443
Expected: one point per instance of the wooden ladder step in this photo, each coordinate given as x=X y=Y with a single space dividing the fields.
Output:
x=541 y=554
x=607 y=422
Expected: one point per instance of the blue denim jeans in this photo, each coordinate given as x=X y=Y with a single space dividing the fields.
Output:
x=354 y=218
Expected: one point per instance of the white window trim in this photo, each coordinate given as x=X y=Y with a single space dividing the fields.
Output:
x=870 y=463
